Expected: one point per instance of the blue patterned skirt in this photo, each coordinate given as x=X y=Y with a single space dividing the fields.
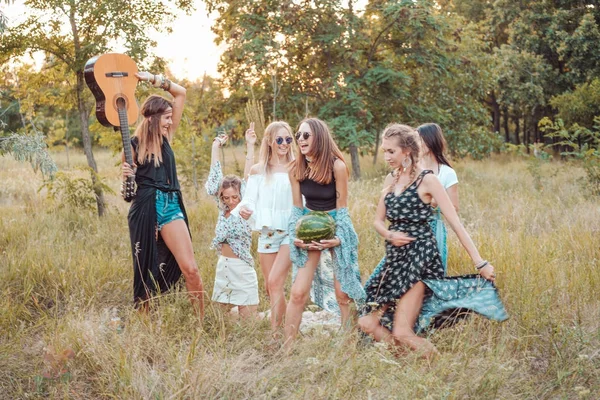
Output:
x=452 y=298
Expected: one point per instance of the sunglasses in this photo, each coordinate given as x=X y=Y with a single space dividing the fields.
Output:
x=279 y=140
x=304 y=135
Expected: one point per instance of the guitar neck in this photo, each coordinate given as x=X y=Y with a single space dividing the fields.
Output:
x=124 y=128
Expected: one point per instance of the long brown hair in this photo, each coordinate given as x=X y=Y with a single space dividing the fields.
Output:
x=407 y=138
x=150 y=138
x=433 y=137
x=266 y=152
x=324 y=152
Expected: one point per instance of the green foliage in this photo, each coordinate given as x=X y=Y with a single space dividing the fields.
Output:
x=579 y=106
x=30 y=148
x=579 y=143
x=75 y=193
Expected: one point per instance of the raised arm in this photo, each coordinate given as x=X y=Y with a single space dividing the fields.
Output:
x=177 y=91
x=431 y=186
x=340 y=171
x=250 y=142
x=215 y=176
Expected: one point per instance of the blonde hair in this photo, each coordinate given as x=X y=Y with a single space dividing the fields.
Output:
x=407 y=138
x=148 y=132
x=323 y=155
x=266 y=151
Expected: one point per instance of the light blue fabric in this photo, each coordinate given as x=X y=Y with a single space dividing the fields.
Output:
x=344 y=264
x=439 y=230
x=467 y=292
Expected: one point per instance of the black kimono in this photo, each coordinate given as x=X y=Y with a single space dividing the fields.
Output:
x=154 y=266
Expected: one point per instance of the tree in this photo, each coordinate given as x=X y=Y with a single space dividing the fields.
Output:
x=74 y=31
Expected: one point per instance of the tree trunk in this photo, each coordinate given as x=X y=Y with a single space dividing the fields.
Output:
x=526 y=134
x=506 y=132
x=495 y=112
x=355 y=161
x=87 y=143
x=376 y=148
x=517 y=130
x=67 y=138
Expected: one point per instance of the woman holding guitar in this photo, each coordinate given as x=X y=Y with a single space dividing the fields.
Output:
x=158 y=226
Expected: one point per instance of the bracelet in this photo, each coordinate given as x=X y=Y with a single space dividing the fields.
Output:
x=482 y=264
x=166 y=84
x=156 y=82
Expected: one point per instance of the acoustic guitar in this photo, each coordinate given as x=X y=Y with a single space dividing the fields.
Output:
x=111 y=78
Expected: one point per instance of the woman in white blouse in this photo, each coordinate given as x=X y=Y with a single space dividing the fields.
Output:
x=268 y=203
x=433 y=149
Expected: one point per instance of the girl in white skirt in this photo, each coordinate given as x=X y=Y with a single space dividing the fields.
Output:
x=236 y=283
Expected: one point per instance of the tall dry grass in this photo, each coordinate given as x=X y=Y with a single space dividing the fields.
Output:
x=66 y=278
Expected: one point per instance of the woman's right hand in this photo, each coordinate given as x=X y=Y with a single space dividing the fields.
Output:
x=399 y=239
x=245 y=213
x=128 y=171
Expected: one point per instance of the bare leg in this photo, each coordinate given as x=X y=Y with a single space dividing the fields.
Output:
x=177 y=238
x=299 y=295
x=344 y=302
x=407 y=312
x=370 y=325
x=248 y=311
x=266 y=263
x=277 y=278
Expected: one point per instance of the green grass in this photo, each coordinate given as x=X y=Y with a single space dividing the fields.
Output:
x=65 y=274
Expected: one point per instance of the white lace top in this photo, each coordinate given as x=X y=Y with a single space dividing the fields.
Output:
x=270 y=199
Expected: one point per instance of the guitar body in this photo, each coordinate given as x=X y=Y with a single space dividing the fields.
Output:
x=111 y=78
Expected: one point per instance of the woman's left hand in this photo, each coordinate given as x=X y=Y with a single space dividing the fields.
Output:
x=144 y=76
x=325 y=244
x=250 y=135
x=488 y=272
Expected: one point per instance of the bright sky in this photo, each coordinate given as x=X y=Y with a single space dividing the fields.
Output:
x=190 y=50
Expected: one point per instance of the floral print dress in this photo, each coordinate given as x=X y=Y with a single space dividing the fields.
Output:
x=404 y=266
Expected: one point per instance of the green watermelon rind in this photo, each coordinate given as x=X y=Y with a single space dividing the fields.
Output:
x=325 y=229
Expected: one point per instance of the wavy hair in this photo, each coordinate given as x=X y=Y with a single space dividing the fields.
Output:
x=150 y=138
x=323 y=155
x=407 y=138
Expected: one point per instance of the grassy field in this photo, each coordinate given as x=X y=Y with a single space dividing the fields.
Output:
x=66 y=278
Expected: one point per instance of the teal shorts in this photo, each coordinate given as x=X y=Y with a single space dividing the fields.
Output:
x=167 y=208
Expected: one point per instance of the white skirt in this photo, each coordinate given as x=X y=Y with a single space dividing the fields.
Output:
x=235 y=282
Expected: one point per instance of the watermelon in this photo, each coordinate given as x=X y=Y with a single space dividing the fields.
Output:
x=314 y=226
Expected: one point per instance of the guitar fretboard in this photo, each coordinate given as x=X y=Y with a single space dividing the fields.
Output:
x=124 y=128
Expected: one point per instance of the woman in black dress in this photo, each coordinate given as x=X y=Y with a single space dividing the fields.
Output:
x=396 y=291
x=158 y=227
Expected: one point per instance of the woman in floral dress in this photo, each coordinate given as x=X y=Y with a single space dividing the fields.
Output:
x=396 y=292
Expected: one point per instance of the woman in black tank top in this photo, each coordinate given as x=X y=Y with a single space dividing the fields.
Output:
x=161 y=244
x=320 y=174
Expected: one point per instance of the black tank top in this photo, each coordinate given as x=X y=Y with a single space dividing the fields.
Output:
x=319 y=197
x=163 y=177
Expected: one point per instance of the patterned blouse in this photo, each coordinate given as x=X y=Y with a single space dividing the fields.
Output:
x=233 y=230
